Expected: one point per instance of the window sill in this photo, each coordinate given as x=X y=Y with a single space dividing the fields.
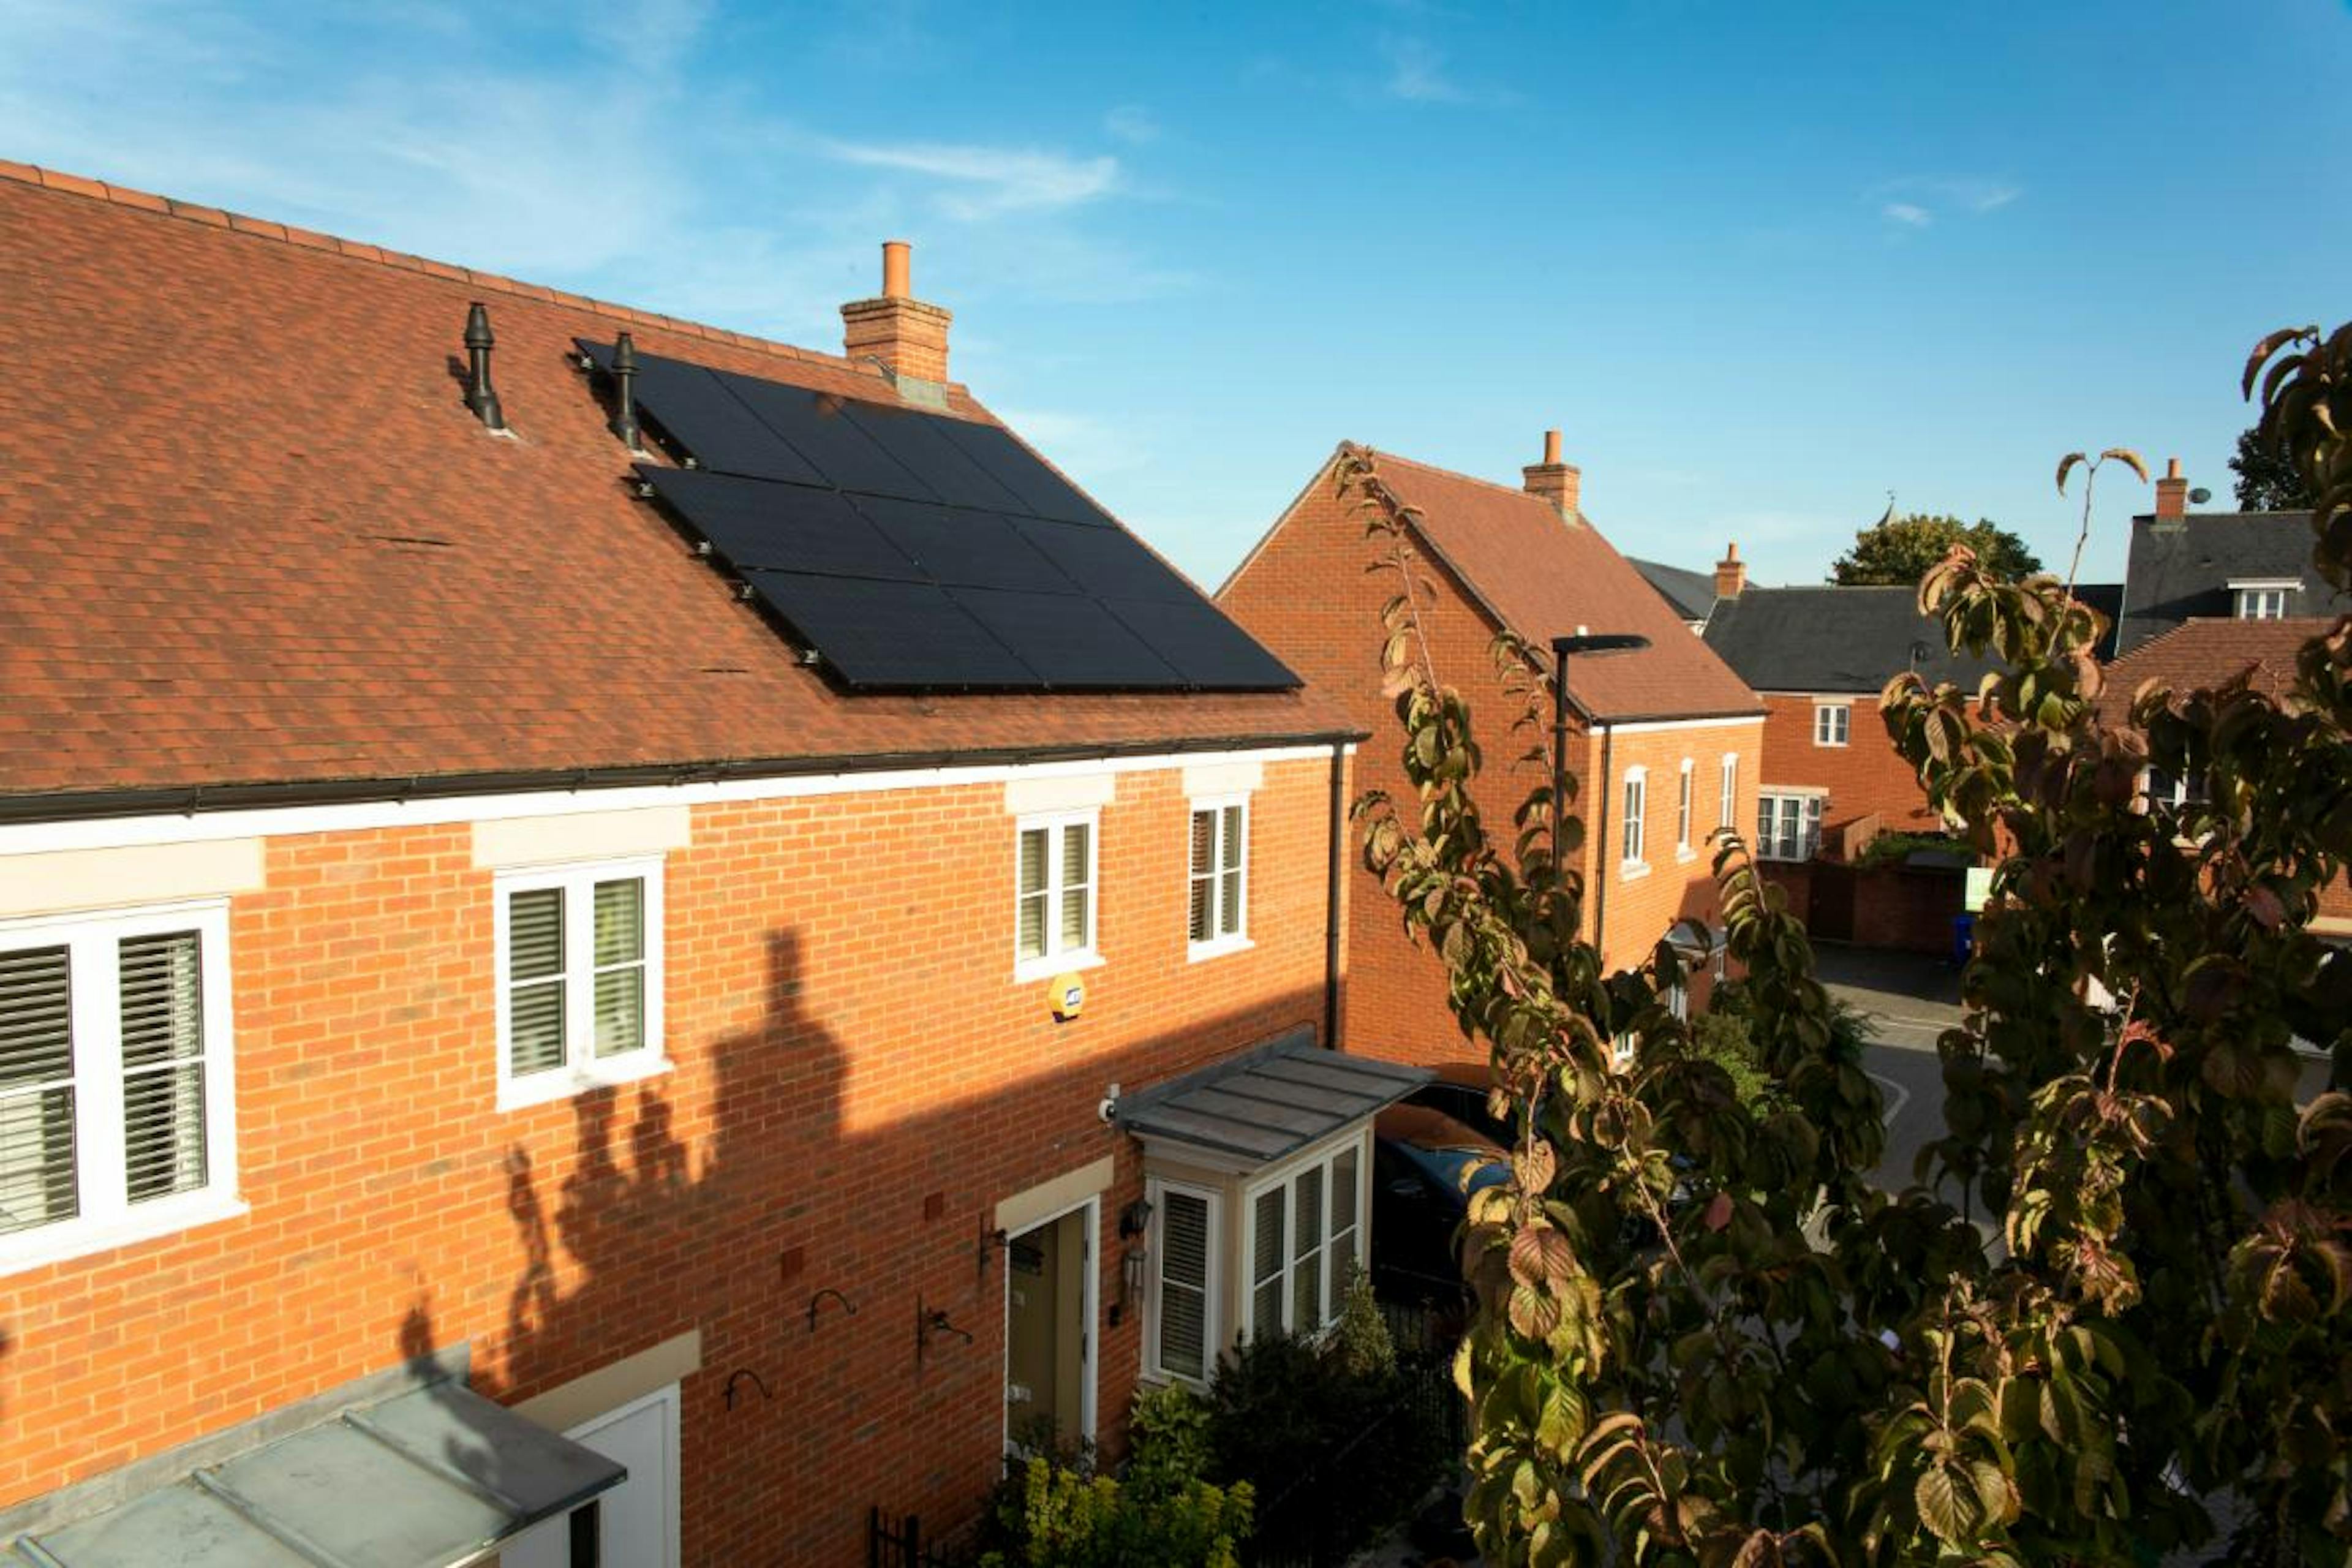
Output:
x=1633 y=870
x=1029 y=971
x=546 y=1089
x=1686 y=855
x=148 y=1221
x=1195 y=951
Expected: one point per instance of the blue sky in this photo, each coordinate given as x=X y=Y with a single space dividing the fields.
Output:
x=1761 y=263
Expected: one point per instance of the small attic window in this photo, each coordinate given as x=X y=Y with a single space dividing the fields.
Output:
x=2264 y=600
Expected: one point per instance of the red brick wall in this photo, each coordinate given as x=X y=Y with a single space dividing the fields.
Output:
x=848 y=1044
x=1306 y=594
x=1864 y=776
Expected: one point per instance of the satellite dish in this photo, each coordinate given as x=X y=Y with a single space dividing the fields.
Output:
x=2200 y=495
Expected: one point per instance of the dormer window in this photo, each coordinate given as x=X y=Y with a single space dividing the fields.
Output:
x=2261 y=601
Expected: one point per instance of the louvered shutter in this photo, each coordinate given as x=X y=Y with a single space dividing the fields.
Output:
x=1183 y=1284
x=37 y=1090
x=163 y=1065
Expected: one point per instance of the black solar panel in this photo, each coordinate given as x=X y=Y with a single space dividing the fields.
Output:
x=918 y=442
x=1009 y=463
x=890 y=635
x=964 y=548
x=1070 y=642
x=693 y=407
x=1106 y=561
x=813 y=422
x=917 y=551
x=1205 y=648
x=791 y=528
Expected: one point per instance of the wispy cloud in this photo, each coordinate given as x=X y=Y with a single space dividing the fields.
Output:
x=984 y=182
x=1132 y=123
x=1417 y=72
x=1915 y=200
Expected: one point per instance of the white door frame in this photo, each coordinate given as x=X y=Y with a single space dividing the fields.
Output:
x=667 y=1397
x=1090 y=1312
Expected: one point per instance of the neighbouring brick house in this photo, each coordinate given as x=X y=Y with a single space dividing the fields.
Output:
x=2199 y=653
x=447 y=933
x=1664 y=739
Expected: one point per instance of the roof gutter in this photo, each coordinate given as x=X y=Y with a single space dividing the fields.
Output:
x=190 y=800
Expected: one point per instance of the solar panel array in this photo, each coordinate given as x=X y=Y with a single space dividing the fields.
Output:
x=917 y=551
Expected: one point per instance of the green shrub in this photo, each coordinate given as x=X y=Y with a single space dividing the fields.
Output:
x=1060 y=1518
x=1168 y=1433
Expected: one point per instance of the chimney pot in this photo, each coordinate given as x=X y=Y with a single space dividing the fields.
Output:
x=906 y=336
x=1730 y=574
x=1554 y=480
x=2171 y=493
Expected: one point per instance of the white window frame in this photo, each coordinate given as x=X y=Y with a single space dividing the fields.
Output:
x=108 y=1218
x=1057 y=955
x=1220 y=942
x=1683 y=850
x=1812 y=804
x=1633 y=832
x=1286 y=1177
x=1832 y=723
x=2261 y=598
x=583 y=1068
x=1155 y=1191
x=1727 y=805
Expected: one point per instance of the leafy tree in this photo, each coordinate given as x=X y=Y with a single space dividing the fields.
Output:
x=2267 y=480
x=1901 y=550
x=1792 y=1367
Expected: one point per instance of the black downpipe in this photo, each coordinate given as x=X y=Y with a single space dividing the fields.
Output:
x=1331 y=897
x=480 y=396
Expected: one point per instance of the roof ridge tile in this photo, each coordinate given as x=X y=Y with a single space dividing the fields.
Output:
x=88 y=189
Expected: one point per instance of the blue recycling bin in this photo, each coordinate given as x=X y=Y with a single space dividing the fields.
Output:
x=1964 y=938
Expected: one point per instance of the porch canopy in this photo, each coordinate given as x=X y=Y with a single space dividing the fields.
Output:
x=436 y=1476
x=1252 y=1110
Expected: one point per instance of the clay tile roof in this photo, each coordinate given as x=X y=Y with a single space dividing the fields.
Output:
x=2204 y=652
x=1544 y=578
x=250 y=535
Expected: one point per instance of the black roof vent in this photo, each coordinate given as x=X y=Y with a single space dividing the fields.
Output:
x=624 y=392
x=480 y=396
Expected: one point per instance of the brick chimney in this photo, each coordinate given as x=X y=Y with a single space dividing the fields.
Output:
x=1730 y=574
x=2171 y=493
x=907 y=336
x=1554 y=480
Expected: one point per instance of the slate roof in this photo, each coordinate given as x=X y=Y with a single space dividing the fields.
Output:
x=2180 y=570
x=1833 y=639
x=2202 y=653
x=249 y=535
x=1542 y=579
x=1692 y=593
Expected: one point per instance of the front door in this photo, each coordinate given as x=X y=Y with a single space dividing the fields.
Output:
x=638 y=1527
x=1048 y=1352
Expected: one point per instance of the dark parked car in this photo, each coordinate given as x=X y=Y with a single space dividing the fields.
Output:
x=1426 y=1166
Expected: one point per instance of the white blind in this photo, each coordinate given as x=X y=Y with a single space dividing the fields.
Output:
x=1229 y=890
x=1077 y=892
x=37 y=1090
x=1266 y=1266
x=620 y=966
x=1205 y=875
x=1183 y=1284
x=1306 y=1245
x=535 y=974
x=163 y=1065
x=1343 y=1220
x=1032 y=893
